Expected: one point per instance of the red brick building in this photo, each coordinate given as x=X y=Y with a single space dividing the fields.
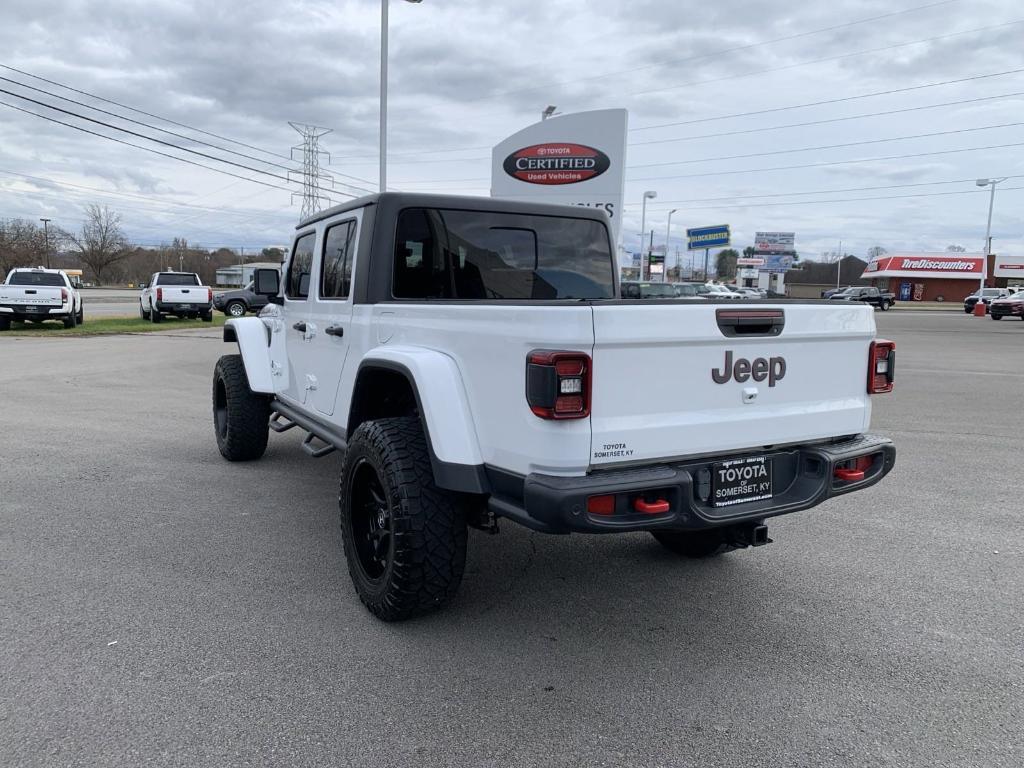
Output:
x=930 y=276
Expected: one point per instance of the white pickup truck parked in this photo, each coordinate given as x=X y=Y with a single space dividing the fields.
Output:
x=473 y=361
x=39 y=294
x=175 y=293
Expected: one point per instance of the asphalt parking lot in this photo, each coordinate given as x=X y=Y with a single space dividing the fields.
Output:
x=162 y=607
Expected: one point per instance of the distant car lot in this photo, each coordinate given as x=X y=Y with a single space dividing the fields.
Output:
x=202 y=610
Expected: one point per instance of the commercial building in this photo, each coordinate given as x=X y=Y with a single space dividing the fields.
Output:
x=931 y=276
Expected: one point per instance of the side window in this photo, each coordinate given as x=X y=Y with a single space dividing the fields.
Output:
x=336 y=264
x=420 y=271
x=300 y=267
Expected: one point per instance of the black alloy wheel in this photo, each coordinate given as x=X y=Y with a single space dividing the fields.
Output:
x=371 y=521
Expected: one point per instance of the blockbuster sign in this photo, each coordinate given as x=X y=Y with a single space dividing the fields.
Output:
x=707 y=237
x=576 y=159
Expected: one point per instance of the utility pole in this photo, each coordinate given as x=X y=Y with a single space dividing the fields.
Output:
x=46 y=239
x=707 y=255
x=839 y=263
x=312 y=200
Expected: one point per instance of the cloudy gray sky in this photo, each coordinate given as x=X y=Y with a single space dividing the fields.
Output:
x=466 y=74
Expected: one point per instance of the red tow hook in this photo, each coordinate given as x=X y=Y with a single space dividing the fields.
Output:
x=652 y=507
x=848 y=475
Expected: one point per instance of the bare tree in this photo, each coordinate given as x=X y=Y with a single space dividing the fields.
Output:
x=955 y=248
x=101 y=243
x=875 y=252
x=22 y=244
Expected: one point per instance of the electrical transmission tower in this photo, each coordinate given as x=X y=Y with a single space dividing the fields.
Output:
x=312 y=177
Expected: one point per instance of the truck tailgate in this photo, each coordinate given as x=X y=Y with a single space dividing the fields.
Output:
x=42 y=296
x=662 y=388
x=178 y=294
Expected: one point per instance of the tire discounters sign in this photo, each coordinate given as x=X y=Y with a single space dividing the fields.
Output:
x=1009 y=266
x=576 y=159
x=960 y=265
x=707 y=237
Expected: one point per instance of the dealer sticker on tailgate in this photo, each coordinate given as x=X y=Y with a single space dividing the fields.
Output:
x=741 y=480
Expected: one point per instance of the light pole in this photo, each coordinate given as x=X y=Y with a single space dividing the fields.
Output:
x=384 y=92
x=643 y=228
x=46 y=238
x=988 y=228
x=668 y=232
x=549 y=111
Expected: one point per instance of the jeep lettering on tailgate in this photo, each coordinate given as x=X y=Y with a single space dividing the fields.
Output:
x=759 y=369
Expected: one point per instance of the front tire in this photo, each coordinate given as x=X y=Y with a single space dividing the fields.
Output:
x=696 y=544
x=241 y=417
x=404 y=538
x=235 y=309
x=143 y=313
x=996 y=317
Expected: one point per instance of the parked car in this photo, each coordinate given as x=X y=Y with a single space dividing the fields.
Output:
x=690 y=290
x=500 y=381
x=644 y=290
x=749 y=293
x=868 y=295
x=828 y=294
x=988 y=295
x=1008 y=306
x=181 y=294
x=37 y=294
x=236 y=303
x=717 y=291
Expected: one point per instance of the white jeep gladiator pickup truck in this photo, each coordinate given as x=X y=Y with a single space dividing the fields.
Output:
x=175 y=293
x=473 y=361
x=39 y=294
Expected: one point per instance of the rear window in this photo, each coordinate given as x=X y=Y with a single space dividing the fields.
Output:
x=177 y=279
x=36 y=278
x=449 y=254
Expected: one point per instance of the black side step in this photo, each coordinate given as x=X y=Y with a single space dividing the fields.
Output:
x=332 y=439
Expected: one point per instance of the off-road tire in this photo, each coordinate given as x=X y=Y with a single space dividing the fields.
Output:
x=426 y=544
x=233 y=307
x=885 y=306
x=697 y=544
x=5 y=323
x=241 y=417
x=71 y=320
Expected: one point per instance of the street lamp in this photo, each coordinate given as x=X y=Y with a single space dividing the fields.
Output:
x=384 y=92
x=46 y=239
x=668 y=231
x=988 y=228
x=643 y=228
x=549 y=111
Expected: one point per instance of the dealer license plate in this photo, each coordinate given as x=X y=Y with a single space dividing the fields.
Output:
x=184 y=306
x=33 y=308
x=741 y=480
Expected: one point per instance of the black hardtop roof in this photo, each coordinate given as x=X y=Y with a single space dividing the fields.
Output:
x=399 y=200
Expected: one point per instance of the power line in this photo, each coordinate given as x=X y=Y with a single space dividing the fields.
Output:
x=826 y=164
x=159 y=117
x=823 y=102
x=667 y=203
x=828 y=146
x=716 y=54
x=149 y=138
x=827 y=121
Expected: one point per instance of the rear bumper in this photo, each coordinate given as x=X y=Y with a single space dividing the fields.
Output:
x=803 y=477
x=34 y=310
x=183 y=308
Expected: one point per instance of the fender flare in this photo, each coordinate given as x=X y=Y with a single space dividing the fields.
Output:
x=251 y=336
x=443 y=405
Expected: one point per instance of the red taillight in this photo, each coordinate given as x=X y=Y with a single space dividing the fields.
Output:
x=63 y=295
x=209 y=294
x=159 y=294
x=881 y=366
x=558 y=384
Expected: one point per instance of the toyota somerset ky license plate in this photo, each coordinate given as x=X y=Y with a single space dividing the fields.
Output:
x=740 y=480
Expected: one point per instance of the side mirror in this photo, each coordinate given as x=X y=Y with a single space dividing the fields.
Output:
x=266 y=282
x=143 y=285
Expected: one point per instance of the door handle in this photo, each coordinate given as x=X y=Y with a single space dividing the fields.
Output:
x=334 y=330
x=300 y=326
